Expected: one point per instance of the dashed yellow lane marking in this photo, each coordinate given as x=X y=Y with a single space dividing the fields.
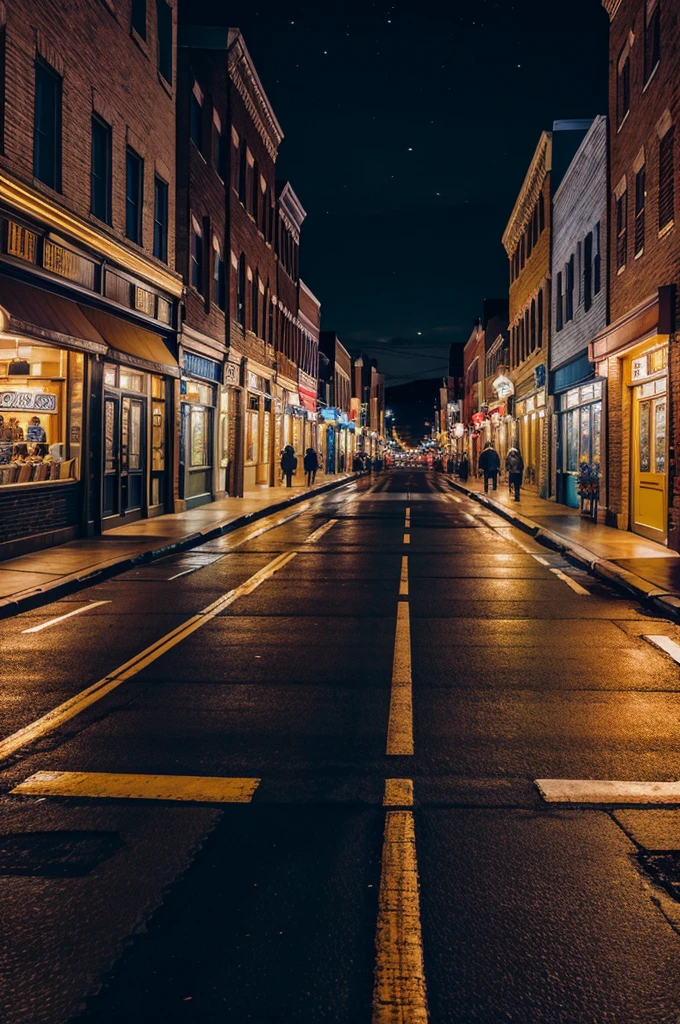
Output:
x=403 y=579
x=400 y=724
x=399 y=994
x=202 y=788
x=313 y=537
x=407 y=538
x=398 y=793
x=72 y=707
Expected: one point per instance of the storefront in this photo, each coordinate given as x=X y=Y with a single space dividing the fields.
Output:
x=579 y=438
x=328 y=434
x=529 y=430
x=198 y=396
x=259 y=432
x=230 y=463
x=646 y=374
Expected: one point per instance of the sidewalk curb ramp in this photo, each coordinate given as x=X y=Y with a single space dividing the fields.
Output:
x=661 y=601
x=26 y=600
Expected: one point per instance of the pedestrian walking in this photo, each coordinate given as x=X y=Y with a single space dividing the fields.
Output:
x=490 y=464
x=450 y=465
x=288 y=464
x=464 y=468
x=311 y=464
x=514 y=464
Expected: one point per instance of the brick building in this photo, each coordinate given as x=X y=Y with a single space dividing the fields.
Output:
x=88 y=292
x=578 y=312
x=636 y=351
x=473 y=394
x=336 y=430
x=368 y=404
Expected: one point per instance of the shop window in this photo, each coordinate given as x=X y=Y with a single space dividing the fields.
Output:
x=652 y=36
x=225 y=422
x=139 y=17
x=198 y=455
x=100 y=170
x=588 y=271
x=640 y=201
x=164 y=20
x=160 y=219
x=47 y=126
x=621 y=230
x=252 y=428
x=666 y=180
x=40 y=413
x=130 y=381
x=134 y=184
x=157 y=425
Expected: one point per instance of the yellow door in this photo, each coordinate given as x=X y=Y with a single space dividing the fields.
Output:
x=650 y=481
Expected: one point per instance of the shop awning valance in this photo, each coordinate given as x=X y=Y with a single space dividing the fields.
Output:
x=133 y=345
x=44 y=316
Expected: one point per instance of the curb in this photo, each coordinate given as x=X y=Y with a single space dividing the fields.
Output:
x=29 y=599
x=667 y=604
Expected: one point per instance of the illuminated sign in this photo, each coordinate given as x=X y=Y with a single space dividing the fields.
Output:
x=503 y=386
x=639 y=368
x=28 y=401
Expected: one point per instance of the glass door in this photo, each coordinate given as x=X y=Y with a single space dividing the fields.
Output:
x=132 y=454
x=649 y=477
x=111 y=488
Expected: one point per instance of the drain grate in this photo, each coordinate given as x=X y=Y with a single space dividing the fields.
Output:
x=59 y=854
x=664 y=869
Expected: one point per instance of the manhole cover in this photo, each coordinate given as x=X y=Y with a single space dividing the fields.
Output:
x=664 y=869
x=59 y=854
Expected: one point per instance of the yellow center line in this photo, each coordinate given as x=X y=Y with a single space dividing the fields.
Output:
x=403 y=579
x=400 y=724
x=72 y=707
x=398 y=793
x=200 y=788
x=399 y=993
x=407 y=538
x=313 y=537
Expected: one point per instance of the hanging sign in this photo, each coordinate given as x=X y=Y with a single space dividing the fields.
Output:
x=503 y=386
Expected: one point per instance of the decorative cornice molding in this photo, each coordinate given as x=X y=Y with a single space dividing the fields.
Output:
x=541 y=164
x=611 y=7
x=31 y=203
x=245 y=78
x=292 y=209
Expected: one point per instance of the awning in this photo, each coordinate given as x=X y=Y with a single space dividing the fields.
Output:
x=308 y=402
x=45 y=316
x=133 y=345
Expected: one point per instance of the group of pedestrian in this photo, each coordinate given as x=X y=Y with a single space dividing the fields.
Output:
x=490 y=465
x=289 y=464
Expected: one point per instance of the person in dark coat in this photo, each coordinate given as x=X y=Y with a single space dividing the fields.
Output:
x=515 y=467
x=288 y=464
x=490 y=464
x=450 y=465
x=311 y=464
x=464 y=468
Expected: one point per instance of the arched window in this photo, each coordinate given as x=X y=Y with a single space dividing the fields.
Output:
x=255 y=307
x=241 y=291
x=533 y=325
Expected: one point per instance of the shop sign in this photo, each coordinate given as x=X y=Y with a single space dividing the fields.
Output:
x=503 y=386
x=232 y=374
x=329 y=414
x=201 y=367
x=306 y=382
x=639 y=368
x=28 y=401
x=497 y=411
x=539 y=375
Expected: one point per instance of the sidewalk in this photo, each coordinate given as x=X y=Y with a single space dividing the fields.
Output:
x=648 y=570
x=33 y=579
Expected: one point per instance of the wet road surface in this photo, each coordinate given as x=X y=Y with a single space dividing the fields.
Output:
x=292 y=656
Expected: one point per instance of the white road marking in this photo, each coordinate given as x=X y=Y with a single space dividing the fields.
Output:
x=185 y=572
x=666 y=644
x=313 y=537
x=403 y=579
x=543 y=561
x=60 y=618
x=400 y=724
x=72 y=707
x=605 y=791
x=576 y=587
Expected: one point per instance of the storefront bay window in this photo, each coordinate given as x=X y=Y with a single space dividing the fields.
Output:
x=41 y=412
x=198 y=407
x=581 y=438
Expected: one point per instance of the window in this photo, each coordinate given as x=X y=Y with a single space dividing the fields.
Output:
x=588 y=271
x=640 y=195
x=558 y=303
x=164 y=18
x=652 y=37
x=579 y=271
x=134 y=182
x=533 y=325
x=196 y=255
x=160 y=219
x=219 y=290
x=569 y=291
x=621 y=230
x=139 y=17
x=597 y=277
x=241 y=291
x=100 y=170
x=540 y=319
x=196 y=121
x=219 y=150
x=47 y=126
x=527 y=335
x=666 y=183
x=255 y=306
x=541 y=213
x=255 y=203
x=242 y=171
x=3 y=68
x=623 y=91
x=521 y=253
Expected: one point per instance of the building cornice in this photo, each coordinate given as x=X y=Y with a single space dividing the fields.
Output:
x=31 y=203
x=292 y=208
x=611 y=7
x=245 y=78
x=541 y=164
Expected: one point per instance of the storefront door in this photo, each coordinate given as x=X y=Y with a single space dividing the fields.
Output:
x=124 y=456
x=649 y=453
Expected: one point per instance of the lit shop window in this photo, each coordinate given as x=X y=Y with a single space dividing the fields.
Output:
x=41 y=410
x=252 y=431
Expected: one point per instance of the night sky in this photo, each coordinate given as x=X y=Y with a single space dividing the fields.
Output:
x=408 y=131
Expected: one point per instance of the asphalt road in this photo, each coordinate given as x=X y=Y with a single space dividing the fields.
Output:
x=154 y=910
